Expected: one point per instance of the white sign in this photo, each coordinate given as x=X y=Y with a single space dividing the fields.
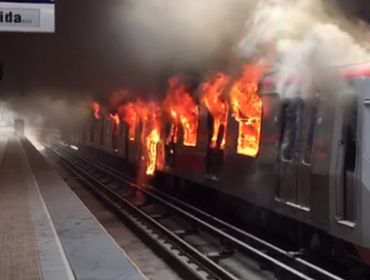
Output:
x=27 y=16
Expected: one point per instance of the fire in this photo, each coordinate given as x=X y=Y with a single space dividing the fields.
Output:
x=247 y=110
x=152 y=141
x=183 y=110
x=218 y=107
x=149 y=114
x=129 y=116
x=115 y=118
x=172 y=137
x=116 y=121
x=96 y=108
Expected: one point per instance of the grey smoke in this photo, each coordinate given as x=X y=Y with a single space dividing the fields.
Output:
x=100 y=48
x=305 y=38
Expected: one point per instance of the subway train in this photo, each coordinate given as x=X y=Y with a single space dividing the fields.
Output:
x=309 y=164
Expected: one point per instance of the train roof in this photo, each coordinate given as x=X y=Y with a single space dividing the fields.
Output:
x=355 y=70
x=347 y=71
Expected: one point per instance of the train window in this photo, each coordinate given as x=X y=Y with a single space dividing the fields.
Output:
x=291 y=118
x=310 y=118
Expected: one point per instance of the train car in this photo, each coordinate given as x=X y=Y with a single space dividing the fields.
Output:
x=312 y=158
x=310 y=163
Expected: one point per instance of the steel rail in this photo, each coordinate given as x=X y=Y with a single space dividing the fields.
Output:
x=219 y=224
x=205 y=264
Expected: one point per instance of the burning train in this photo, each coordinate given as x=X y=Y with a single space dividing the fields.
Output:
x=305 y=159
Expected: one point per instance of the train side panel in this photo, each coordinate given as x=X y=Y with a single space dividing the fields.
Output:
x=303 y=169
x=363 y=194
x=121 y=140
x=190 y=161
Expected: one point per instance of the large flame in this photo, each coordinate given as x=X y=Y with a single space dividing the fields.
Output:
x=183 y=110
x=96 y=108
x=247 y=110
x=212 y=90
x=172 y=136
x=243 y=101
x=129 y=116
x=152 y=141
x=149 y=114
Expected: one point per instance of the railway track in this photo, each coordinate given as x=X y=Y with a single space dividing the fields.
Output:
x=204 y=246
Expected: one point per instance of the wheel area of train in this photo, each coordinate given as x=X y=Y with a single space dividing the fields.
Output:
x=45 y=230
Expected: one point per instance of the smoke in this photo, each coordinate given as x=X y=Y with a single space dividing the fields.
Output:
x=302 y=38
x=45 y=112
x=130 y=44
x=186 y=33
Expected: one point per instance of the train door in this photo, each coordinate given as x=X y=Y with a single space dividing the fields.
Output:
x=123 y=139
x=298 y=125
x=304 y=180
x=346 y=163
x=171 y=137
x=215 y=147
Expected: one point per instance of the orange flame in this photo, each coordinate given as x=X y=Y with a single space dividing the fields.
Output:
x=212 y=91
x=247 y=110
x=115 y=118
x=116 y=121
x=152 y=141
x=129 y=116
x=96 y=108
x=182 y=109
x=149 y=115
x=172 y=137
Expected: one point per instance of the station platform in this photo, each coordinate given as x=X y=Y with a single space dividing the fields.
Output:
x=46 y=232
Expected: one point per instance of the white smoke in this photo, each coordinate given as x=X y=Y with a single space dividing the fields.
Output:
x=45 y=115
x=303 y=39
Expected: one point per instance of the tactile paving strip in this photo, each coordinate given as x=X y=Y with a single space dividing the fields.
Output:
x=19 y=258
